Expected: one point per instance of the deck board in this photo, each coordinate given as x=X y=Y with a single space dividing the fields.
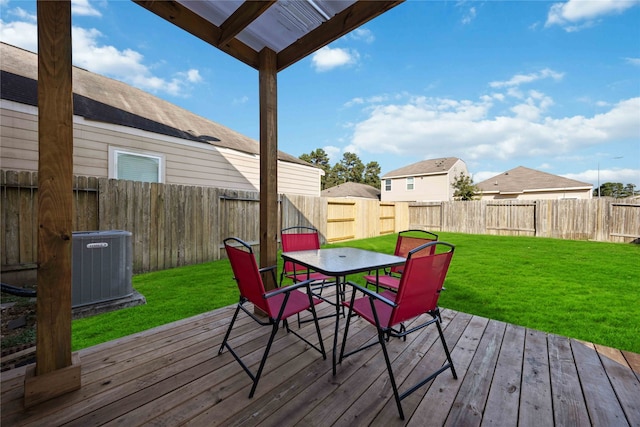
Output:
x=507 y=376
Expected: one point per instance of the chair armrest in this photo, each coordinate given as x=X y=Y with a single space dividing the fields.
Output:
x=286 y=289
x=263 y=269
x=372 y=294
x=271 y=269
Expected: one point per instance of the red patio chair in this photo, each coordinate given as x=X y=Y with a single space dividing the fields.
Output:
x=407 y=240
x=300 y=238
x=417 y=294
x=278 y=304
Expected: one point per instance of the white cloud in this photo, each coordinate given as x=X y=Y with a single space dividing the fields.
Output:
x=520 y=79
x=126 y=65
x=20 y=33
x=484 y=175
x=362 y=34
x=469 y=16
x=192 y=75
x=575 y=15
x=20 y=13
x=376 y=99
x=624 y=176
x=334 y=153
x=240 y=101
x=83 y=8
x=435 y=127
x=328 y=58
x=633 y=61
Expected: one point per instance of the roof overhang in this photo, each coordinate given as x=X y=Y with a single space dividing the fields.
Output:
x=293 y=29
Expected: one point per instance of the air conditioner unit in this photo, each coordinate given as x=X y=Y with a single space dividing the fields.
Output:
x=102 y=266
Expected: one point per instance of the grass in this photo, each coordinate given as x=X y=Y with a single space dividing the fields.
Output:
x=171 y=295
x=584 y=290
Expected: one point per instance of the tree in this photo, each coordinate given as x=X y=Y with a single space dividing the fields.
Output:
x=336 y=176
x=372 y=174
x=349 y=169
x=319 y=158
x=353 y=167
x=464 y=187
x=615 y=189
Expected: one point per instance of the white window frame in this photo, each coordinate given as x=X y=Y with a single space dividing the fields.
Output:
x=113 y=161
x=410 y=183
x=387 y=185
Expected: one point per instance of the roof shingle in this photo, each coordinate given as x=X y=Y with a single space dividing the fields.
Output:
x=522 y=179
x=103 y=99
x=352 y=189
x=424 y=167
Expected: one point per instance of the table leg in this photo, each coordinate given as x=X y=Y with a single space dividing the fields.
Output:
x=339 y=281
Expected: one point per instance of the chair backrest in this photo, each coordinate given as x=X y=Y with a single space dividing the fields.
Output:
x=422 y=281
x=246 y=272
x=298 y=238
x=411 y=239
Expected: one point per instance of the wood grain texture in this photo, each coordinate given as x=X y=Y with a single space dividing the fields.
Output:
x=55 y=182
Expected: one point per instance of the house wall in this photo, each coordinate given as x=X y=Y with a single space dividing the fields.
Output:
x=186 y=162
x=541 y=195
x=426 y=188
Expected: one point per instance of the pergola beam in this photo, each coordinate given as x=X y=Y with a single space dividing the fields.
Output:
x=344 y=22
x=196 y=25
x=248 y=12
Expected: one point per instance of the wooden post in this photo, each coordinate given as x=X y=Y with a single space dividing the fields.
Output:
x=268 y=161
x=56 y=372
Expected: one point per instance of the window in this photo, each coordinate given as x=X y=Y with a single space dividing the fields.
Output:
x=387 y=185
x=134 y=166
x=410 y=183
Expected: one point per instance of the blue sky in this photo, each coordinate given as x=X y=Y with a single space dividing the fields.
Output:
x=553 y=86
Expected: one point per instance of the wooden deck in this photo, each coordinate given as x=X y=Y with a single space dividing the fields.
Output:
x=507 y=376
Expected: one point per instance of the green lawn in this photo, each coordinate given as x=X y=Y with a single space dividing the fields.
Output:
x=584 y=290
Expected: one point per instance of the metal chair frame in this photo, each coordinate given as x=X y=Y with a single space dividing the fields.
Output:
x=390 y=305
x=273 y=318
x=391 y=277
x=290 y=269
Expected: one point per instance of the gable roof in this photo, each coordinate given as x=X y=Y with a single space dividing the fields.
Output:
x=352 y=189
x=424 y=167
x=102 y=99
x=522 y=179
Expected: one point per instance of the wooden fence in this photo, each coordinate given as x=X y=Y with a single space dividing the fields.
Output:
x=174 y=225
x=602 y=219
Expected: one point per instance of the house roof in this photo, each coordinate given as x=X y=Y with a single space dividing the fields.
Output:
x=424 y=167
x=522 y=179
x=352 y=189
x=100 y=98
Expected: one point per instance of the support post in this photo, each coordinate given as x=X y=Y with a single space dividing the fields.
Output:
x=56 y=372
x=268 y=161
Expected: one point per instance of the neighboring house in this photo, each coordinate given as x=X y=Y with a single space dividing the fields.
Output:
x=123 y=132
x=425 y=181
x=529 y=184
x=352 y=190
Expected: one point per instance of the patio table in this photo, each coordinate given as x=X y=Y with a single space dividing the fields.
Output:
x=339 y=263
